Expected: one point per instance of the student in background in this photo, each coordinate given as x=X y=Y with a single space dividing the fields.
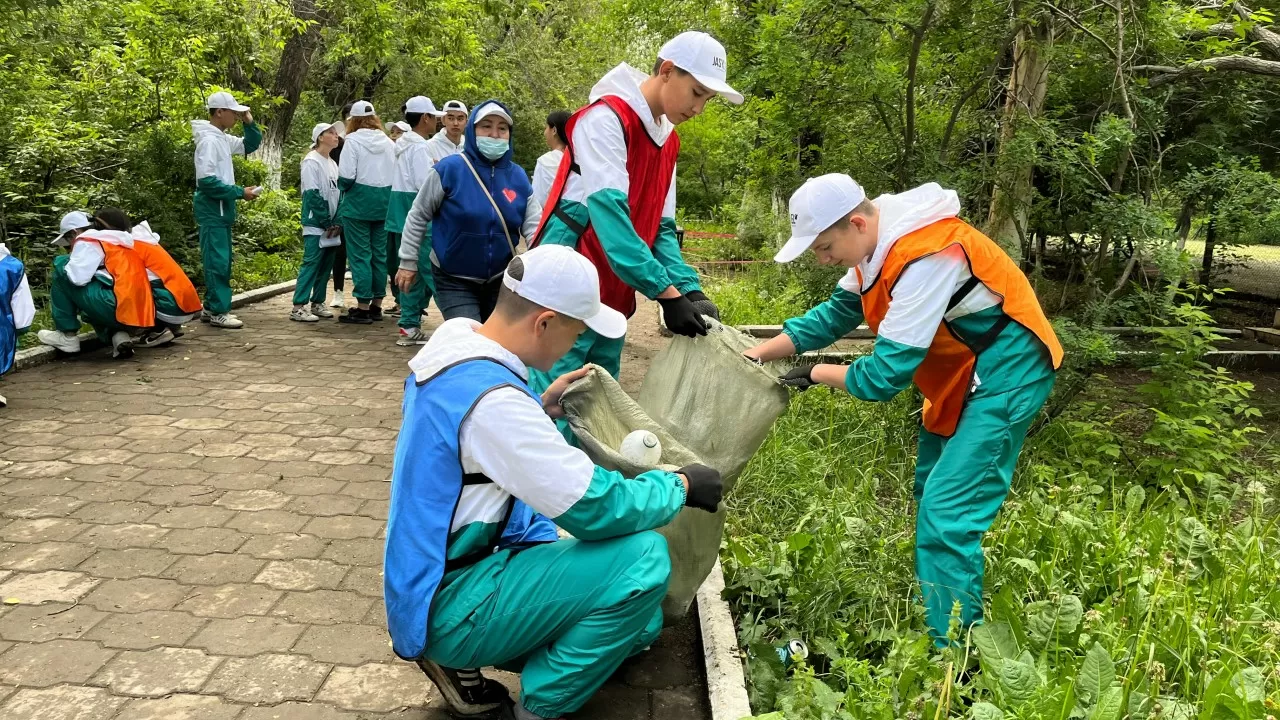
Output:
x=398 y=129
x=450 y=138
x=340 y=258
x=544 y=173
x=17 y=311
x=364 y=177
x=413 y=161
x=321 y=231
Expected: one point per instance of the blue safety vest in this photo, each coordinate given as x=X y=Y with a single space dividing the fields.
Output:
x=426 y=487
x=11 y=272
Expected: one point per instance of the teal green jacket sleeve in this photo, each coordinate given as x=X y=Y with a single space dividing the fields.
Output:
x=884 y=373
x=631 y=259
x=826 y=323
x=252 y=137
x=614 y=505
x=215 y=189
x=315 y=210
x=345 y=183
x=667 y=250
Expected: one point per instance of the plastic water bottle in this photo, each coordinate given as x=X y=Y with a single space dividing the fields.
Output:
x=790 y=649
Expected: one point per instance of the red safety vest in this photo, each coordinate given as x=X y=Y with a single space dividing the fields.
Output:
x=649 y=169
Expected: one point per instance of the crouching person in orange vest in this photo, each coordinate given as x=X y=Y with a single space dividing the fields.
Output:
x=176 y=299
x=952 y=312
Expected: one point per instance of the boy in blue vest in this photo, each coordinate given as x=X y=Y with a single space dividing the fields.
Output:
x=474 y=574
x=17 y=311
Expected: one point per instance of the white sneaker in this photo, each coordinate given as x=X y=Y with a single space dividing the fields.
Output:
x=226 y=321
x=412 y=336
x=320 y=311
x=67 y=343
x=301 y=314
x=156 y=339
x=121 y=345
x=338 y=301
x=4 y=401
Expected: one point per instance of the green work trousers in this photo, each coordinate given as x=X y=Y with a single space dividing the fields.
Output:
x=215 y=253
x=565 y=615
x=591 y=347
x=167 y=310
x=413 y=302
x=960 y=484
x=366 y=242
x=313 y=275
x=94 y=303
x=393 y=263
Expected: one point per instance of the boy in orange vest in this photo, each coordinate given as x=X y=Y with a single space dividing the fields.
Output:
x=952 y=312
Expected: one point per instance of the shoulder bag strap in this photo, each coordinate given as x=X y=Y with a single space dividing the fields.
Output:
x=501 y=220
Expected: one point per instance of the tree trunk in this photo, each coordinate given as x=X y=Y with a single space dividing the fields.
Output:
x=295 y=60
x=909 y=124
x=1184 y=222
x=1028 y=82
x=1206 y=262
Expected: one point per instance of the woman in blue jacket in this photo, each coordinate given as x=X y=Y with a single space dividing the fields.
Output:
x=471 y=212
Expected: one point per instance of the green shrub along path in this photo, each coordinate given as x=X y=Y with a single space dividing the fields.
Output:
x=1132 y=572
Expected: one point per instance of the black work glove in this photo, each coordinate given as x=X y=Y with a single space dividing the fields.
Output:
x=703 y=305
x=798 y=377
x=705 y=487
x=682 y=317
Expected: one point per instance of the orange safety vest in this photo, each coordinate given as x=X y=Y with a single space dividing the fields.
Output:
x=159 y=261
x=946 y=374
x=134 y=305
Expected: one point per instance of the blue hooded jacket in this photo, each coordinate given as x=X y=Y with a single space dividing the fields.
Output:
x=466 y=236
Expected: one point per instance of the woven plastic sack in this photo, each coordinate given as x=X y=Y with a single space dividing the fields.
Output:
x=707 y=404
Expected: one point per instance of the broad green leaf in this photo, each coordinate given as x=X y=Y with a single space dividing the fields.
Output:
x=1110 y=704
x=1097 y=674
x=1018 y=680
x=1053 y=622
x=995 y=643
x=1134 y=497
x=985 y=711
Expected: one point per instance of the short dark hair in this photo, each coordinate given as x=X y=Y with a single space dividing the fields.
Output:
x=657 y=65
x=346 y=110
x=413 y=119
x=557 y=121
x=510 y=305
x=112 y=218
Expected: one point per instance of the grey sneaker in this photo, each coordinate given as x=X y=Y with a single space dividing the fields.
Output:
x=301 y=314
x=338 y=300
x=412 y=336
x=4 y=401
x=67 y=343
x=121 y=345
x=226 y=321
x=467 y=692
x=320 y=311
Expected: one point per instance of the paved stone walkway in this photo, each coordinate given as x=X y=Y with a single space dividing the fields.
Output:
x=196 y=534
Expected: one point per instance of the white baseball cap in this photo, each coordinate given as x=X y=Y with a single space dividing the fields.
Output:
x=320 y=129
x=455 y=106
x=817 y=205
x=74 y=220
x=363 y=108
x=558 y=278
x=224 y=101
x=422 y=104
x=492 y=108
x=702 y=56
x=402 y=126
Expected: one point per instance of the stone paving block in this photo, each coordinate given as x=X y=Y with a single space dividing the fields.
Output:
x=229 y=465
x=95 y=442
x=616 y=702
x=166 y=460
x=127 y=563
x=105 y=473
x=326 y=505
x=360 y=551
x=115 y=537
x=201 y=423
x=44 y=556
x=280 y=454
x=184 y=495
x=101 y=456
x=376 y=687
x=145 y=630
x=327 y=443
x=240 y=481
x=29 y=453
x=137 y=595
x=215 y=569
x=309 y=486
x=109 y=492
x=219 y=450
x=663 y=667
x=284 y=546
x=301 y=575
x=230 y=601
x=375 y=509
x=40 y=623
x=677 y=703
x=261 y=426
x=297 y=711
x=344 y=527
x=158 y=446
x=39 y=507
x=192 y=516
x=39 y=487
x=114 y=513
x=294 y=468
x=149 y=432
x=47 y=586
x=159 y=672
x=357 y=473
x=268 y=521
x=41 y=530
x=181 y=707
x=201 y=540
x=268 y=678
x=247 y=636
x=37 y=468
x=52 y=663
x=346 y=644
x=67 y=702
x=322 y=607
x=379 y=489
x=364 y=580
x=377 y=615
x=251 y=500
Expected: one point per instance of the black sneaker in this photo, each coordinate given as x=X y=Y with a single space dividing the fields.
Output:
x=467 y=692
x=395 y=310
x=356 y=316
x=375 y=314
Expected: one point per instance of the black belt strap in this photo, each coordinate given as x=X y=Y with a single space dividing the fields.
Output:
x=578 y=228
x=989 y=337
x=475 y=479
x=963 y=292
x=472 y=558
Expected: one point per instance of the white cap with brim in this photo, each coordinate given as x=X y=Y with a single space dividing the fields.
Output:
x=364 y=108
x=402 y=126
x=224 y=101
x=321 y=128
x=492 y=108
x=817 y=205
x=72 y=221
x=559 y=279
x=422 y=104
x=703 y=57
x=455 y=106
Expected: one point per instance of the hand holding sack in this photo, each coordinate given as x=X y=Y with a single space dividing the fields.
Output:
x=682 y=317
x=706 y=487
x=703 y=304
x=799 y=377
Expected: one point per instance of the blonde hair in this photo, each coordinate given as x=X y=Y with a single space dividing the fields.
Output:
x=369 y=122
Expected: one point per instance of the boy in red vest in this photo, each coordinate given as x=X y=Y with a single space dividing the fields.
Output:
x=952 y=312
x=614 y=196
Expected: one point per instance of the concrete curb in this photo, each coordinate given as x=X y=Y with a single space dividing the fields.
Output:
x=32 y=357
x=726 y=685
